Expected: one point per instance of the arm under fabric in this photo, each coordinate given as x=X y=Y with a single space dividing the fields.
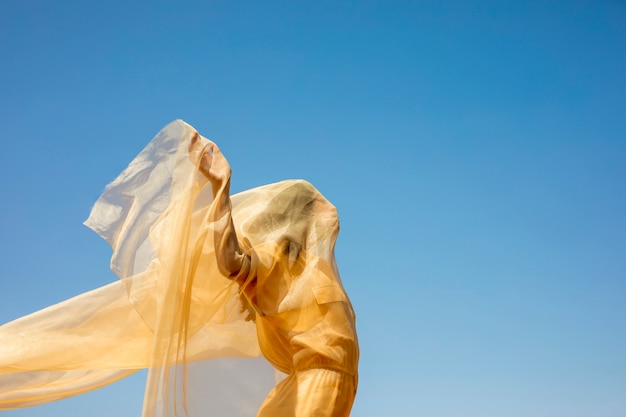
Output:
x=232 y=261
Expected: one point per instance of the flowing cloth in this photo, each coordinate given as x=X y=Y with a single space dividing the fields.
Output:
x=203 y=337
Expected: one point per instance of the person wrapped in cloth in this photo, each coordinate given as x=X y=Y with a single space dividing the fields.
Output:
x=211 y=288
x=283 y=261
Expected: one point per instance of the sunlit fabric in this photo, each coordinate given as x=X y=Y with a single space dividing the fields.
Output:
x=206 y=340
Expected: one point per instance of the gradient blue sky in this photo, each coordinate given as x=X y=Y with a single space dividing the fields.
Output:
x=476 y=151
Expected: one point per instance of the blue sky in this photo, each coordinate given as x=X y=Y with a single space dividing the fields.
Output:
x=476 y=152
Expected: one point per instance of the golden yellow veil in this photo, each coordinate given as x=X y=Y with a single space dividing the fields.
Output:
x=170 y=311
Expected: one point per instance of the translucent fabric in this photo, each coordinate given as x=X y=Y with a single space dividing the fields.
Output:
x=205 y=338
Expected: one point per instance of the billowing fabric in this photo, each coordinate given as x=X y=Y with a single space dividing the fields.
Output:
x=206 y=339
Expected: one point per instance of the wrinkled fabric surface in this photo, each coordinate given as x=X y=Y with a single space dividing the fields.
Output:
x=206 y=340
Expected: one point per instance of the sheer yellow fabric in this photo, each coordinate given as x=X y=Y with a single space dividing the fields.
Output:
x=204 y=337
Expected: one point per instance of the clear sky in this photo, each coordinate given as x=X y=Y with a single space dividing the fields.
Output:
x=475 y=150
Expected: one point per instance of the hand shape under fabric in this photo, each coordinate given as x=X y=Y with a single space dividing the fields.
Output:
x=211 y=162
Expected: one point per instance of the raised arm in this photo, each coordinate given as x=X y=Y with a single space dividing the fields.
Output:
x=232 y=261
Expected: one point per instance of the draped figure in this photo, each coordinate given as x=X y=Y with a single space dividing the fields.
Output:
x=233 y=304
